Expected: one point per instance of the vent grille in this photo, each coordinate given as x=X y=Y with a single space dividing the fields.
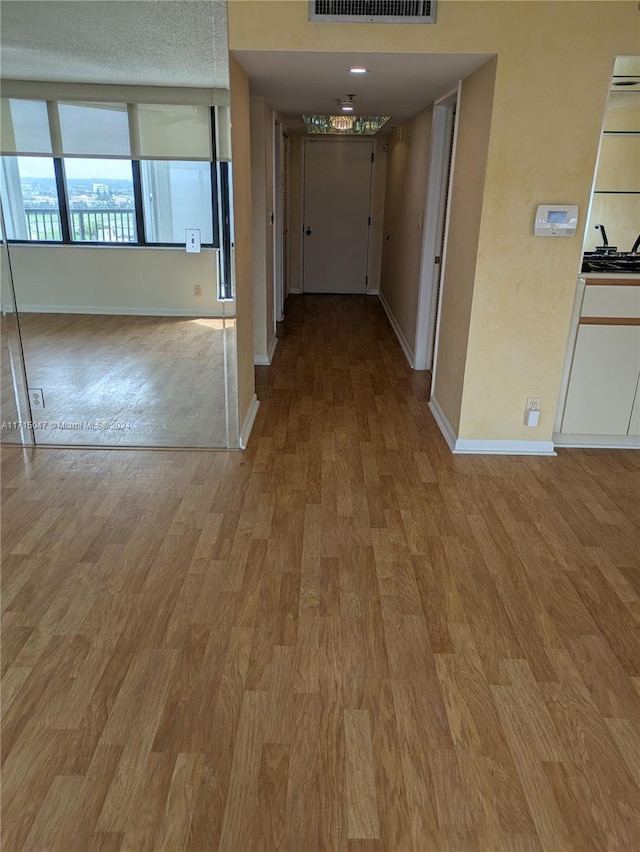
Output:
x=376 y=11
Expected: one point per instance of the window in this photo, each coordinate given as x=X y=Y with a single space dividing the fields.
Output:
x=131 y=174
x=100 y=200
x=30 y=196
x=176 y=195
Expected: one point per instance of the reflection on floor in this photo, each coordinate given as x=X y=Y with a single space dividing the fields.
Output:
x=128 y=380
x=9 y=412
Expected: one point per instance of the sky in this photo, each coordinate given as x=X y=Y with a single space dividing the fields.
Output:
x=35 y=167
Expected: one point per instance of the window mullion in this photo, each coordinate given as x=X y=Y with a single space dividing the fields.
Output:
x=137 y=200
x=65 y=223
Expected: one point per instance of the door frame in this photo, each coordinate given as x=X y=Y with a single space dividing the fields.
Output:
x=278 y=225
x=352 y=140
x=437 y=201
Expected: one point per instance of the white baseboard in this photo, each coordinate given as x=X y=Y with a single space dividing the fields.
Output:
x=136 y=312
x=601 y=442
x=443 y=423
x=296 y=292
x=265 y=360
x=408 y=351
x=372 y=293
x=471 y=446
x=247 y=426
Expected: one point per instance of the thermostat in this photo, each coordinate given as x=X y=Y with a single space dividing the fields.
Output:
x=556 y=220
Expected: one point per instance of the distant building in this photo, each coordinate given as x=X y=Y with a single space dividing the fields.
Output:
x=101 y=189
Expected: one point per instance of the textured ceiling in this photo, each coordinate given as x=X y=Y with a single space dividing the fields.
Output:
x=137 y=42
x=399 y=85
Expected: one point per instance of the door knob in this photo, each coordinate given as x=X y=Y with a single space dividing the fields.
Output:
x=308 y=231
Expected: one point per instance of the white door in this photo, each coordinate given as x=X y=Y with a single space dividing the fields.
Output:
x=337 y=188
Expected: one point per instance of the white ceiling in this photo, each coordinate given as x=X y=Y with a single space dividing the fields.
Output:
x=136 y=42
x=398 y=84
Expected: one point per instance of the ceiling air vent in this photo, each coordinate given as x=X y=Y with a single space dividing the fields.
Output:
x=374 y=11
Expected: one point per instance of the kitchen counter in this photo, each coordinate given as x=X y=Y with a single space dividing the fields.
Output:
x=600 y=394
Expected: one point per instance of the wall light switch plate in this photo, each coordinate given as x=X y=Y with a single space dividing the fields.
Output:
x=192 y=236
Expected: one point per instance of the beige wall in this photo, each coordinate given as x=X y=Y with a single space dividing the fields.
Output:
x=262 y=202
x=111 y=280
x=542 y=148
x=241 y=147
x=406 y=187
x=296 y=159
x=378 y=192
x=467 y=189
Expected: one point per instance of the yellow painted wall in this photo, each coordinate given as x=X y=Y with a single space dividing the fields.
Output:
x=240 y=143
x=406 y=187
x=554 y=62
x=467 y=190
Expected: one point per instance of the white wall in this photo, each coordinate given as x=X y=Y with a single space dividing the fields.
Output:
x=110 y=280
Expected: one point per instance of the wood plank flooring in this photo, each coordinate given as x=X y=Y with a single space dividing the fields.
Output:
x=142 y=381
x=344 y=638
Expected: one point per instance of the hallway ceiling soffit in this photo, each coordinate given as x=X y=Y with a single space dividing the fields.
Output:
x=399 y=85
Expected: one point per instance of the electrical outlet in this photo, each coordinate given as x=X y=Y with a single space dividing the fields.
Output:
x=197 y=290
x=532 y=411
x=36 y=398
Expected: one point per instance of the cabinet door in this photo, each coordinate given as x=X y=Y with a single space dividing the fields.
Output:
x=603 y=380
x=634 y=425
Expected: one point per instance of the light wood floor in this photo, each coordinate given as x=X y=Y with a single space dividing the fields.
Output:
x=129 y=380
x=344 y=638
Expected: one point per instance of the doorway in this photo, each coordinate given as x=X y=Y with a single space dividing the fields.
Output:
x=441 y=163
x=337 y=198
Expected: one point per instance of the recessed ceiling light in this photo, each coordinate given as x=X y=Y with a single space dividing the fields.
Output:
x=358 y=70
x=347 y=109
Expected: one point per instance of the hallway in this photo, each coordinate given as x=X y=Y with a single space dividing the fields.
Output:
x=344 y=638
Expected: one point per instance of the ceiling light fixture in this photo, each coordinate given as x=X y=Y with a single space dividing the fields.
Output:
x=348 y=104
x=358 y=70
x=362 y=125
x=342 y=123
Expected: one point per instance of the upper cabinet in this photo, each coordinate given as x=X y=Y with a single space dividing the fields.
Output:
x=616 y=200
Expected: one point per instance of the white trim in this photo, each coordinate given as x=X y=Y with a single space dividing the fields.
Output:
x=438 y=307
x=295 y=292
x=602 y=442
x=443 y=423
x=435 y=201
x=398 y=331
x=372 y=293
x=247 y=426
x=137 y=312
x=278 y=282
x=265 y=360
x=472 y=446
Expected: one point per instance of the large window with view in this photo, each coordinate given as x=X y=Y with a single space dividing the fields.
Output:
x=100 y=200
x=31 y=208
x=108 y=173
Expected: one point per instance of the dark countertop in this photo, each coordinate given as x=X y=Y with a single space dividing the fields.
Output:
x=610 y=263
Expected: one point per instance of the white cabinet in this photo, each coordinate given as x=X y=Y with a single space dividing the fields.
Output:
x=603 y=383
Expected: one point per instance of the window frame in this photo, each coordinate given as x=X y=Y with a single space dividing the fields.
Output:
x=138 y=209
